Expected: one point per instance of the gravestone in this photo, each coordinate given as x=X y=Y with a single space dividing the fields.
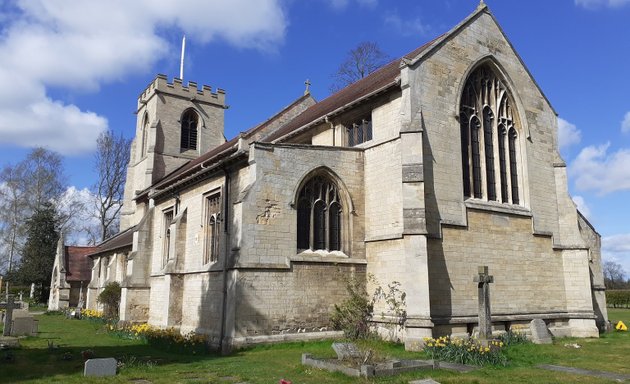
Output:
x=9 y=306
x=347 y=351
x=100 y=367
x=483 y=280
x=540 y=332
x=24 y=326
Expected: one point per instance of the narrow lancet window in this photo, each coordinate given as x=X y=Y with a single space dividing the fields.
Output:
x=190 y=122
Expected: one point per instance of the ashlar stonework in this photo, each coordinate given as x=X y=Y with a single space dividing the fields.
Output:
x=435 y=164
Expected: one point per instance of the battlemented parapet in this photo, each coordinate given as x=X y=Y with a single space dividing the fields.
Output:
x=191 y=91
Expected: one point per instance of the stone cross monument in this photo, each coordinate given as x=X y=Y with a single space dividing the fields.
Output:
x=483 y=280
x=9 y=306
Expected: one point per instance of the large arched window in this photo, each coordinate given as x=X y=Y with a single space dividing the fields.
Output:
x=319 y=218
x=489 y=139
x=190 y=124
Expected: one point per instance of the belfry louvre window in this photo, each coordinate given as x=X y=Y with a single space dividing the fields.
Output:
x=360 y=132
x=166 y=236
x=319 y=216
x=489 y=139
x=211 y=228
x=190 y=122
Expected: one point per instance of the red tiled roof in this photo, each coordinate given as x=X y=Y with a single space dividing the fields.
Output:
x=118 y=241
x=78 y=264
x=381 y=78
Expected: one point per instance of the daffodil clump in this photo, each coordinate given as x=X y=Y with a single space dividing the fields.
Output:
x=91 y=314
x=465 y=351
x=167 y=338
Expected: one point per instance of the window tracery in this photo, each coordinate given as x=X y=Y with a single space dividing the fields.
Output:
x=319 y=218
x=489 y=139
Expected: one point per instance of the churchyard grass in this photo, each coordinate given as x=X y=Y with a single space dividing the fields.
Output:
x=37 y=363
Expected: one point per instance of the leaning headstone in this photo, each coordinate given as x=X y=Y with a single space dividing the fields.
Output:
x=100 y=367
x=540 y=332
x=347 y=351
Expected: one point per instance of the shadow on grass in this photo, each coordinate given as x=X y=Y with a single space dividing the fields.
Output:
x=73 y=341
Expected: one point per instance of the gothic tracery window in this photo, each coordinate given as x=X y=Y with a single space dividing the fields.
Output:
x=211 y=228
x=319 y=218
x=489 y=139
x=190 y=122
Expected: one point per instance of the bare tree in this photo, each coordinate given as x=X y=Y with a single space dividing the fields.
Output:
x=112 y=157
x=45 y=179
x=364 y=59
x=25 y=187
x=614 y=275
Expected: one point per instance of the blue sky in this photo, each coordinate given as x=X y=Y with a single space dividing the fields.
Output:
x=71 y=69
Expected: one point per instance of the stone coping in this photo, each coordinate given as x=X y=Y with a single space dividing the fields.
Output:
x=586 y=372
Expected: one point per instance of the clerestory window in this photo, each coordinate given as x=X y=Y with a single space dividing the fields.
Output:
x=319 y=216
x=489 y=139
x=190 y=123
x=359 y=132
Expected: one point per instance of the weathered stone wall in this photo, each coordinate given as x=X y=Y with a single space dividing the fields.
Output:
x=291 y=301
x=593 y=240
x=528 y=273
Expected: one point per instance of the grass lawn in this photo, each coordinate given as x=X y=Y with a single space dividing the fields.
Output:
x=35 y=363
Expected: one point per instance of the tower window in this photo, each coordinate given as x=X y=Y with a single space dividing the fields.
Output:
x=190 y=123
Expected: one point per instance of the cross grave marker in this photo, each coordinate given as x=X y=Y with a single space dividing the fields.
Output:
x=9 y=306
x=483 y=280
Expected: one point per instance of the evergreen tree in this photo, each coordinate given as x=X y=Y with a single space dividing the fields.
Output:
x=38 y=254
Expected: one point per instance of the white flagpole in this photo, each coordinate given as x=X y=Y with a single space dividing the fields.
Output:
x=181 y=64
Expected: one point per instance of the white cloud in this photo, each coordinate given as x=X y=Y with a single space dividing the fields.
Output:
x=617 y=248
x=625 y=124
x=597 y=170
x=592 y=4
x=407 y=27
x=568 y=134
x=582 y=206
x=78 y=45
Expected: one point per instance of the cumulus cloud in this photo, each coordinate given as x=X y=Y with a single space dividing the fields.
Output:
x=78 y=45
x=406 y=27
x=596 y=169
x=616 y=248
x=625 y=124
x=582 y=206
x=568 y=134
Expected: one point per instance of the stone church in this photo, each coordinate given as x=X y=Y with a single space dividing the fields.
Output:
x=441 y=161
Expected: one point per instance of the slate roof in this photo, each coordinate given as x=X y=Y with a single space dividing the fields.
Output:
x=78 y=264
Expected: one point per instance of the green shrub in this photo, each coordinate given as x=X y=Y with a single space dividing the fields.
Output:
x=110 y=298
x=618 y=298
x=353 y=315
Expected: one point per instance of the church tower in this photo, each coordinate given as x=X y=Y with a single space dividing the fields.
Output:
x=175 y=124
